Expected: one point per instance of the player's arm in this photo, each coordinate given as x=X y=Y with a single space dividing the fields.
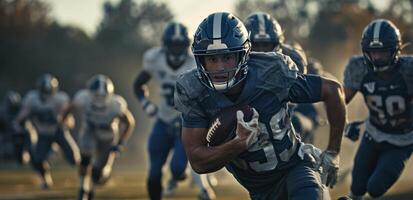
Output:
x=129 y=121
x=195 y=123
x=141 y=91
x=349 y=93
x=332 y=93
x=206 y=159
x=311 y=88
x=66 y=110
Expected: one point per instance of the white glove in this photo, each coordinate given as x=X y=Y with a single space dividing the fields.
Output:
x=251 y=127
x=329 y=163
x=149 y=108
x=309 y=151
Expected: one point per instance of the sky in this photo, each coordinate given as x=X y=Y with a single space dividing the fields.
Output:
x=87 y=14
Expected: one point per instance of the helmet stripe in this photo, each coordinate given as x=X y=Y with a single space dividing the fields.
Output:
x=216 y=30
x=261 y=24
x=217 y=25
x=376 y=33
x=177 y=32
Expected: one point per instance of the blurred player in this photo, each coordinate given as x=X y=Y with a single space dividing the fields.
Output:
x=18 y=142
x=164 y=64
x=106 y=126
x=265 y=156
x=266 y=35
x=42 y=107
x=385 y=79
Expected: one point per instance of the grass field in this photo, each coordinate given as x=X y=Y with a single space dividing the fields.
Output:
x=128 y=182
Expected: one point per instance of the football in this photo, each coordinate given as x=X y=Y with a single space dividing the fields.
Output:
x=224 y=125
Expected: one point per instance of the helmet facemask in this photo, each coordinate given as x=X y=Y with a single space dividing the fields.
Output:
x=381 y=59
x=101 y=88
x=225 y=78
x=176 y=53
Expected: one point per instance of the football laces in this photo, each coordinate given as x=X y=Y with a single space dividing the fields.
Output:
x=212 y=130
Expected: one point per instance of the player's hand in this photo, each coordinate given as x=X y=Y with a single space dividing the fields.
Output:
x=329 y=164
x=352 y=130
x=149 y=108
x=309 y=152
x=247 y=131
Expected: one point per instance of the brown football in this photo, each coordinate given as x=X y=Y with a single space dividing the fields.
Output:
x=224 y=124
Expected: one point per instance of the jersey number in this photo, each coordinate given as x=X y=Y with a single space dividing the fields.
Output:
x=393 y=105
x=168 y=93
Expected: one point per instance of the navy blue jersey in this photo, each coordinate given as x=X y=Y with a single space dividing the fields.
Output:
x=388 y=101
x=272 y=81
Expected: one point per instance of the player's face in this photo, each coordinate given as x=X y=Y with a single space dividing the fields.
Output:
x=264 y=47
x=380 y=57
x=221 y=66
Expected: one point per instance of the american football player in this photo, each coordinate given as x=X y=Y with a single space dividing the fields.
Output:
x=101 y=137
x=384 y=77
x=42 y=107
x=265 y=156
x=164 y=64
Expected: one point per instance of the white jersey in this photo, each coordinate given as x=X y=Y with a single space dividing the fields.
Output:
x=44 y=114
x=154 y=62
x=102 y=121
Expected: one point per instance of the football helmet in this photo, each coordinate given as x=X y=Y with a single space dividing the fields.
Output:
x=101 y=88
x=265 y=32
x=221 y=33
x=12 y=101
x=175 y=41
x=381 y=37
x=47 y=84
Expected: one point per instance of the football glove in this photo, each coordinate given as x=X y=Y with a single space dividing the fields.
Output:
x=251 y=126
x=329 y=164
x=352 y=130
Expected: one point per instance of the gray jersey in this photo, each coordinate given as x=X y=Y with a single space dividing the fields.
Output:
x=102 y=122
x=44 y=114
x=154 y=62
x=389 y=101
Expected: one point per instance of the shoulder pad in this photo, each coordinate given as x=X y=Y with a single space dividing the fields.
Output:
x=120 y=101
x=62 y=96
x=277 y=72
x=30 y=97
x=354 y=72
x=314 y=67
x=190 y=81
x=188 y=92
x=406 y=69
x=81 y=97
x=150 y=57
x=299 y=57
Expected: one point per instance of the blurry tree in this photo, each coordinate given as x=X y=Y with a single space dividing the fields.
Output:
x=129 y=25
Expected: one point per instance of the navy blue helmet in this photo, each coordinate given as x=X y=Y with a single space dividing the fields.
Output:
x=100 y=85
x=381 y=35
x=221 y=33
x=175 y=41
x=264 y=29
x=47 y=84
